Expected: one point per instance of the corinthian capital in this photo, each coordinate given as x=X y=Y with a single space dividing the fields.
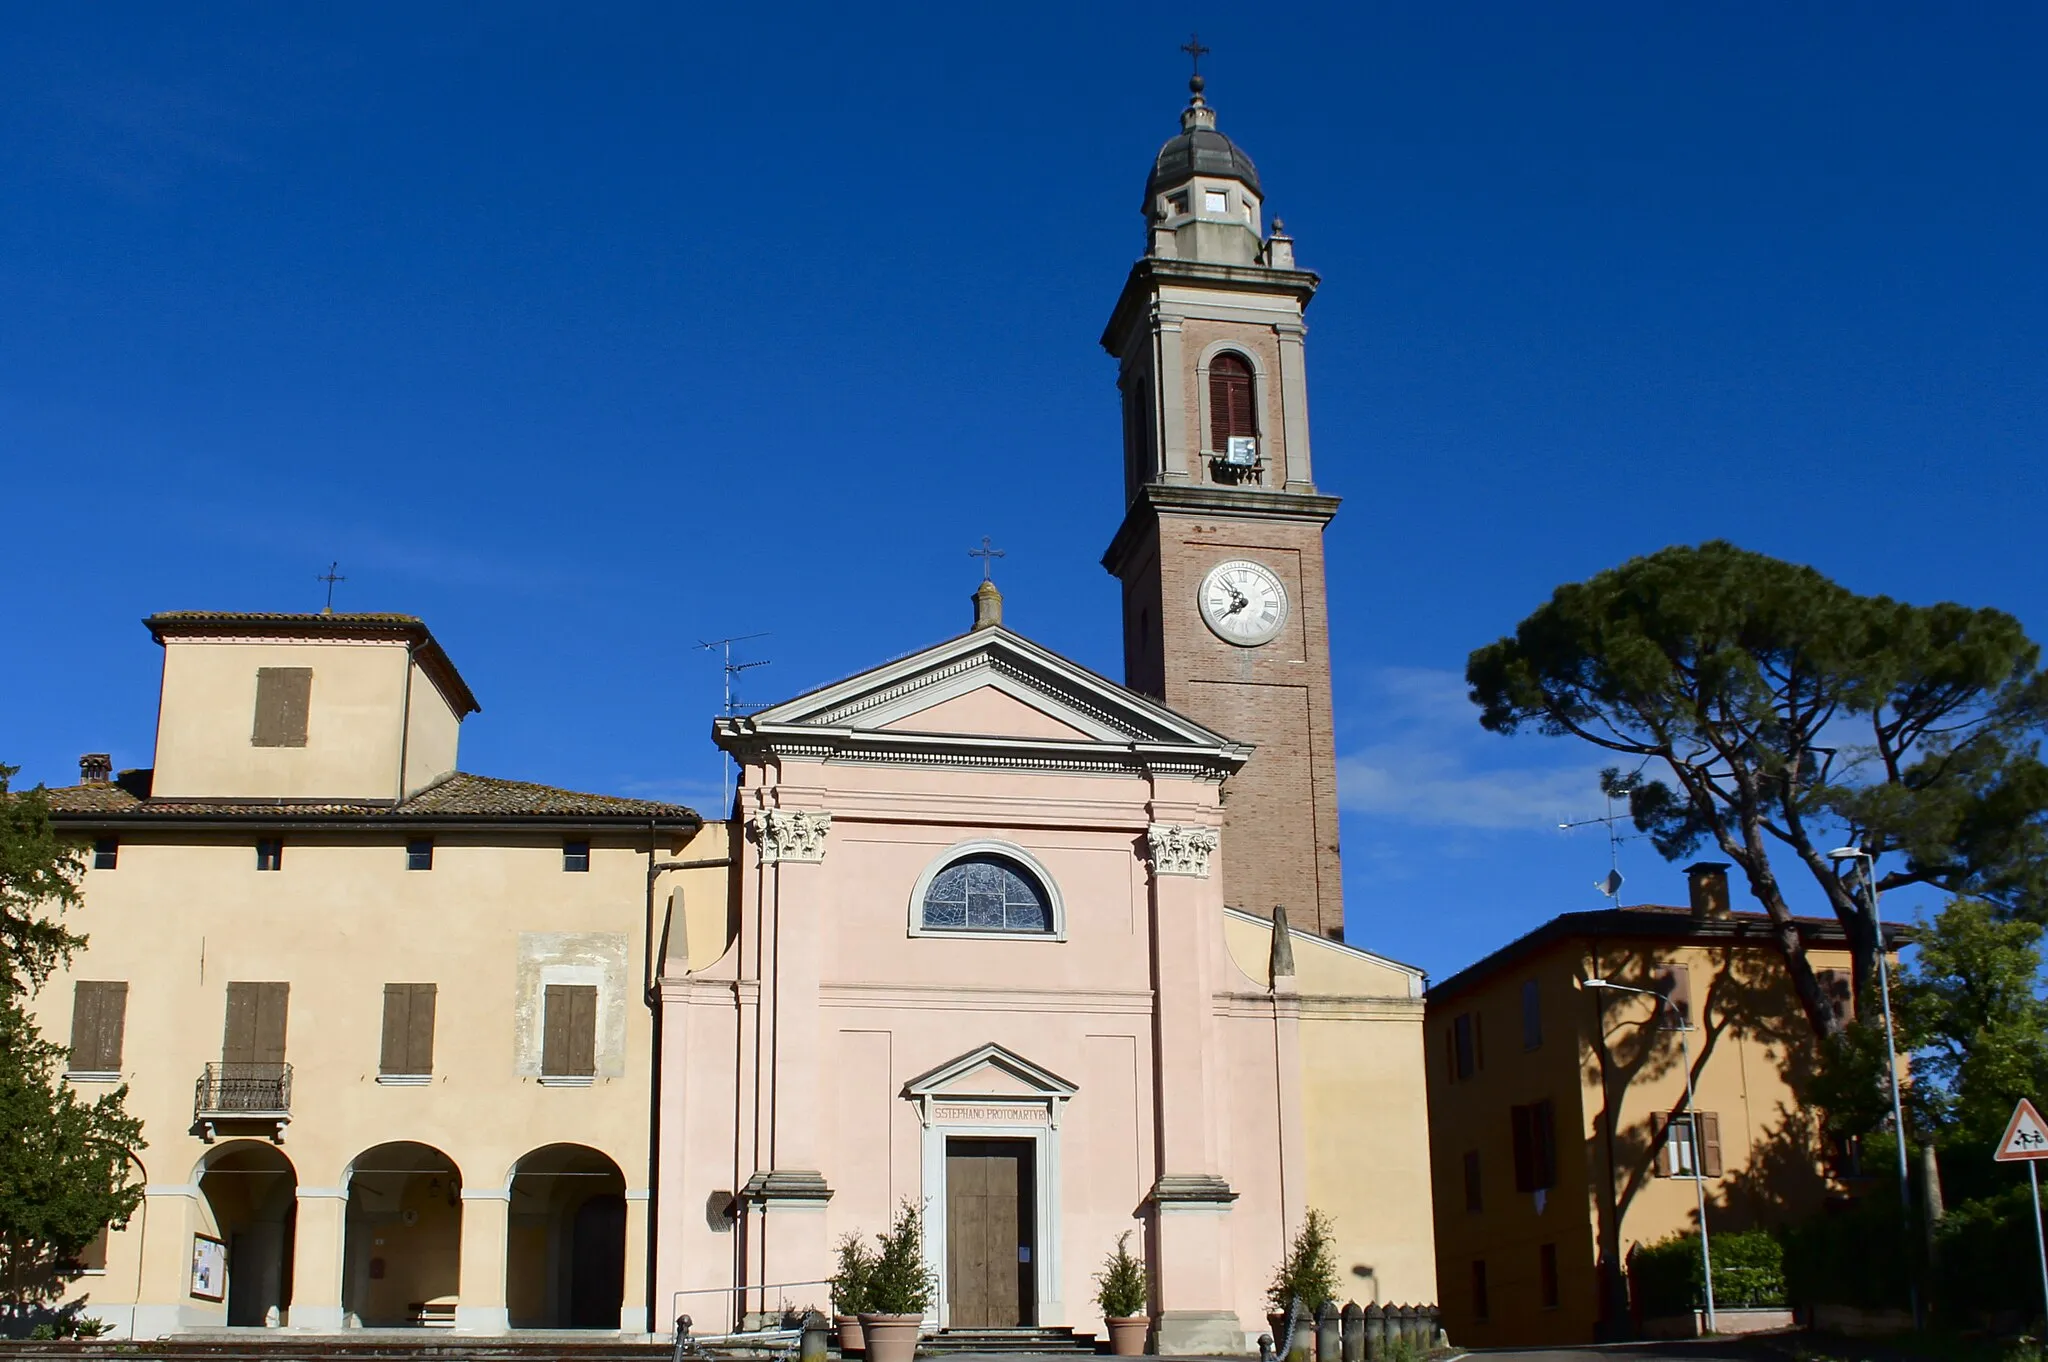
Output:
x=1180 y=849
x=790 y=834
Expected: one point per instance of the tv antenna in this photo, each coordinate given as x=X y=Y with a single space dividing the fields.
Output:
x=1611 y=884
x=732 y=703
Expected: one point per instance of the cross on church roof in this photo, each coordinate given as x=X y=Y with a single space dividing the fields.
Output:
x=1193 y=47
x=330 y=577
x=986 y=555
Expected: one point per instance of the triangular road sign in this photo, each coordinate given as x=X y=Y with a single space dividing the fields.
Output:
x=2026 y=1138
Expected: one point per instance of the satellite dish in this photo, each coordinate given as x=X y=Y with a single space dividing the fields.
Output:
x=1610 y=885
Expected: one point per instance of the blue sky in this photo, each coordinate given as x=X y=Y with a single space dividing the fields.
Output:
x=587 y=333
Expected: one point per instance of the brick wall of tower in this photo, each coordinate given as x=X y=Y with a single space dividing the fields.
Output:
x=1280 y=812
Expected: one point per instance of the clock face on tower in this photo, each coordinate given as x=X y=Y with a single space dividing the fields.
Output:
x=1242 y=602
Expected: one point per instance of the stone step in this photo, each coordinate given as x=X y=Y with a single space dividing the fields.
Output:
x=1061 y=1339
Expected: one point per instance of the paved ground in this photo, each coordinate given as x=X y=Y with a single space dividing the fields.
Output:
x=1688 y=1350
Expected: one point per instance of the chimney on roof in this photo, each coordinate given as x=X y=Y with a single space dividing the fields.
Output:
x=988 y=606
x=1708 y=882
x=95 y=768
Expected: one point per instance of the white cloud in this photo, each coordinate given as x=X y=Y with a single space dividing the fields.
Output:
x=1427 y=762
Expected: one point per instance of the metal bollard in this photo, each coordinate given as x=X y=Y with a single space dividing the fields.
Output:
x=815 y=1330
x=1329 y=1333
x=682 y=1337
x=1266 y=1348
x=1353 y=1323
x=1301 y=1332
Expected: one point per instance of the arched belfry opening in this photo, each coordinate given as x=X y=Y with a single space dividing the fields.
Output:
x=249 y=1218
x=403 y=1261
x=565 y=1258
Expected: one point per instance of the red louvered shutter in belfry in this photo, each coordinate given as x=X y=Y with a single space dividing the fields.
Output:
x=1230 y=400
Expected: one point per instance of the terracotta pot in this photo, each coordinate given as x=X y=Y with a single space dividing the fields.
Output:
x=891 y=1338
x=1127 y=1334
x=850 y=1340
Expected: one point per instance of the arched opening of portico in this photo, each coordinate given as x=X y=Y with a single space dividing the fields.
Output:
x=402 y=1264
x=565 y=1255
x=249 y=1203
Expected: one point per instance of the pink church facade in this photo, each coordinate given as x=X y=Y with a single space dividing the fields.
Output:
x=977 y=957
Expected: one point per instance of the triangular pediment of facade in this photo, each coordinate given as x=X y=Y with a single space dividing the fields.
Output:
x=991 y=709
x=992 y=1072
x=990 y=697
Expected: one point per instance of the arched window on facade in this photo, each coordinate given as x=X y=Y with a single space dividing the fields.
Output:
x=1231 y=408
x=986 y=892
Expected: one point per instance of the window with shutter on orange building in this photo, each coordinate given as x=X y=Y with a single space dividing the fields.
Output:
x=1679 y=1154
x=1675 y=983
x=408 y=1048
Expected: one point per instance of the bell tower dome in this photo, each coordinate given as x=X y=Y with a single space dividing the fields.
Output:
x=1221 y=548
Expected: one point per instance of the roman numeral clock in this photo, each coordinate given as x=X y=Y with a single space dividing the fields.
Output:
x=1242 y=602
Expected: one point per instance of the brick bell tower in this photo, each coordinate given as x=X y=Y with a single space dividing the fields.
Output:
x=1221 y=547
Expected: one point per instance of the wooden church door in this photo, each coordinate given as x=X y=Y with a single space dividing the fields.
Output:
x=990 y=1215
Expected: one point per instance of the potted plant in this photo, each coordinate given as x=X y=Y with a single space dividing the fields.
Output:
x=1120 y=1290
x=1308 y=1274
x=900 y=1289
x=849 y=1284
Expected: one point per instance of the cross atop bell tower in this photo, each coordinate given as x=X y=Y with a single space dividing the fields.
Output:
x=1221 y=547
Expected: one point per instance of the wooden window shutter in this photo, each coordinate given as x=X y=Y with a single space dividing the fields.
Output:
x=255 y=1023
x=1660 y=1135
x=1673 y=982
x=1451 y=1052
x=1230 y=400
x=408 y=1029
x=284 y=697
x=99 y=1016
x=1521 y=1120
x=1474 y=1193
x=1478 y=1040
x=1708 y=1152
x=569 y=1031
x=1840 y=993
x=1543 y=1132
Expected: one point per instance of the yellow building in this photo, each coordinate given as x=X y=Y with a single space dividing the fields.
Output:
x=384 y=1021
x=1558 y=1131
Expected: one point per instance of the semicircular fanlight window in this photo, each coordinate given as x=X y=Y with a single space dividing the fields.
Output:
x=986 y=893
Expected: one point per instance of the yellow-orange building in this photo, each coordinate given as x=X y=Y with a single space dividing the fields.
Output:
x=1558 y=1135
x=384 y=1021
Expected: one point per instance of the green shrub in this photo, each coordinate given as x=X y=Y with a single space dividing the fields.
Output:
x=1749 y=1270
x=900 y=1283
x=851 y=1280
x=1854 y=1255
x=1309 y=1273
x=1120 y=1288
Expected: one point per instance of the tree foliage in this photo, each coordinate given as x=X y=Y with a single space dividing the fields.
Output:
x=65 y=1164
x=1969 y=1011
x=39 y=874
x=1773 y=714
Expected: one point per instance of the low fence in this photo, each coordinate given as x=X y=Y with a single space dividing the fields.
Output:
x=1354 y=1333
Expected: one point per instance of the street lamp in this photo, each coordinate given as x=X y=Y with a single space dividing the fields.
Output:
x=1692 y=1121
x=1891 y=1053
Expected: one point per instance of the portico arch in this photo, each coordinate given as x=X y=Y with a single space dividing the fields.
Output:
x=402 y=1264
x=565 y=1255
x=248 y=1192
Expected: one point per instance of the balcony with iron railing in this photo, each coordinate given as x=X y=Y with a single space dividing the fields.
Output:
x=233 y=1094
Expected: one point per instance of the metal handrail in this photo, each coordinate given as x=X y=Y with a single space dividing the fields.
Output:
x=238 y=1089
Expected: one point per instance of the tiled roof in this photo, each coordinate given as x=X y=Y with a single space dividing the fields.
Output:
x=1652 y=922
x=359 y=624
x=460 y=797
